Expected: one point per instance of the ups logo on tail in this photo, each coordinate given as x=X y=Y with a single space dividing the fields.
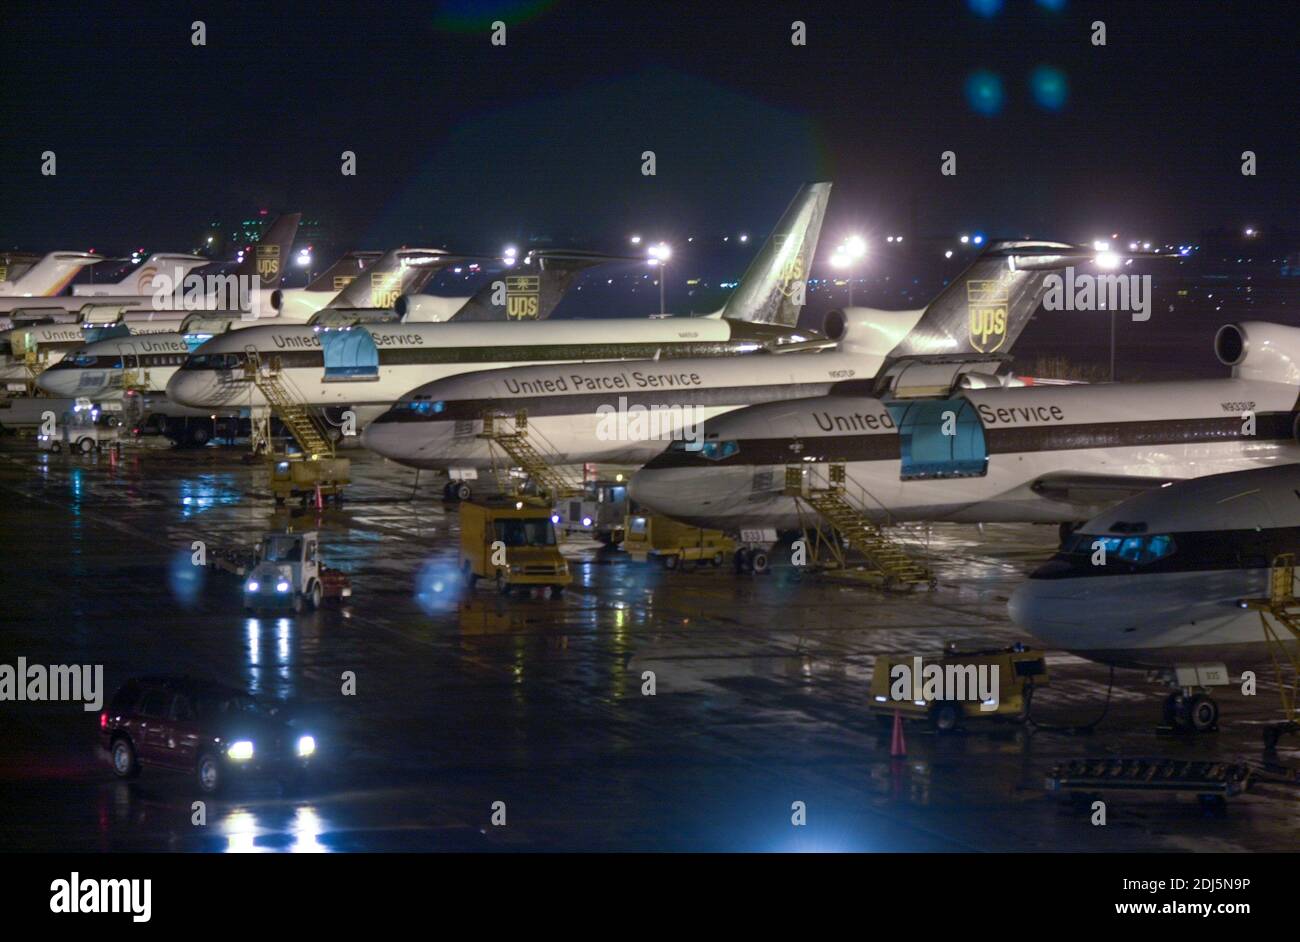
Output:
x=987 y=301
x=342 y=281
x=385 y=289
x=268 y=260
x=523 y=297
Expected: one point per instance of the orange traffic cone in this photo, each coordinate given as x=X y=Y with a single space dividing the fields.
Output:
x=898 y=743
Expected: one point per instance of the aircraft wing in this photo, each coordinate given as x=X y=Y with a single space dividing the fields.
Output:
x=1079 y=488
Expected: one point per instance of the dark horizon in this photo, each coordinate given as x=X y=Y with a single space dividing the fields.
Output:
x=456 y=138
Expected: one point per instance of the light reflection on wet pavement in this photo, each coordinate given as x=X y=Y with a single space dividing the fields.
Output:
x=761 y=689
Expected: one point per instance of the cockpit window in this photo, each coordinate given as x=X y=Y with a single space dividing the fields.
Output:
x=212 y=361
x=716 y=451
x=1139 y=550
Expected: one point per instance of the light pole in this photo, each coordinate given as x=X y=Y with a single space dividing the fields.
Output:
x=846 y=256
x=659 y=255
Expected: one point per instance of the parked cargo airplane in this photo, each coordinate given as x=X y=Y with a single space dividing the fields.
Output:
x=1046 y=454
x=141 y=280
x=35 y=280
x=1167 y=589
x=623 y=413
x=154 y=350
x=368 y=368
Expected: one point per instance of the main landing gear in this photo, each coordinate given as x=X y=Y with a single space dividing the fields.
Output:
x=1185 y=711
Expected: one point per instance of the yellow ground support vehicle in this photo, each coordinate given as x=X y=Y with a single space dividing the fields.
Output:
x=512 y=543
x=647 y=535
x=294 y=477
x=962 y=677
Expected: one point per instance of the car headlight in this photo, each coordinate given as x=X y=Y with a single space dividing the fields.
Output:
x=306 y=746
x=240 y=750
x=282 y=586
x=252 y=585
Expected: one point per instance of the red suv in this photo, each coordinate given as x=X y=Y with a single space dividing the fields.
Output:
x=211 y=731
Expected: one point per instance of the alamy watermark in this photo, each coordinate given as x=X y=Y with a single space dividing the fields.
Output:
x=1075 y=291
x=638 y=423
x=961 y=683
x=37 y=682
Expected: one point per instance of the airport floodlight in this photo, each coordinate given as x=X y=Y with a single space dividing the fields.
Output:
x=1107 y=260
x=1100 y=245
x=854 y=246
x=661 y=252
x=840 y=260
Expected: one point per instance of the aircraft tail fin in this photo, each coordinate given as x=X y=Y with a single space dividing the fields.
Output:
x=270 y=254
x=984 y=309
x=344 y=271
x=397 y=273
x=773 y=287
x=47 y=275
x=532 y=290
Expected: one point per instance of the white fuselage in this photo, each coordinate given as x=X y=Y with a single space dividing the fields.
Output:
x=1162 y=430
x=404 y=356
x=620 y=414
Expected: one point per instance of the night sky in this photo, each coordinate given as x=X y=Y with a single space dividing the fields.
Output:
x=459 y=140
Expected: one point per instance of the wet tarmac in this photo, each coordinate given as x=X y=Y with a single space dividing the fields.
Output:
x=761 y=696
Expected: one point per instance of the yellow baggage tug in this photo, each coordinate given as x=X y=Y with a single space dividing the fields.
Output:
x=1018 y=672
x=648 y=535
x=512 y=543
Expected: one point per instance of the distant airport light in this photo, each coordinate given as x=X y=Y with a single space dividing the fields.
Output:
x=1100 y=245
x=948 y=254
x=889 y=238
x=978 y=240
x=965 y=239
x=744 y=237
x=635 y=240
x=1107 y=260
x=1250 y=233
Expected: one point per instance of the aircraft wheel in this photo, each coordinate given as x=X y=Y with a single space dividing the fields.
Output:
x=1202 y=713
x=741 y=560
x=945 y=716
x=316 y=597
x=463 y=491
x=758 y=562
x=86 y=446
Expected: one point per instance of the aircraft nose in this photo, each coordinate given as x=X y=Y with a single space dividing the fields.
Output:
x=58 y=382
x=180 y=389
x=381 y=437
x=1040 y=611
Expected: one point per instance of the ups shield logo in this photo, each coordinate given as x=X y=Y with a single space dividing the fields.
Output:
x=523 y=297
x=342 y=281
x=268 y=261
x=4 y=272
x=987 y=302
x=385 y=289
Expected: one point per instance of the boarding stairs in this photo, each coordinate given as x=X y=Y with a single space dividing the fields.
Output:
x=1279 y=616
x=513 y=439
x=286 y=405
x=849 y=528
